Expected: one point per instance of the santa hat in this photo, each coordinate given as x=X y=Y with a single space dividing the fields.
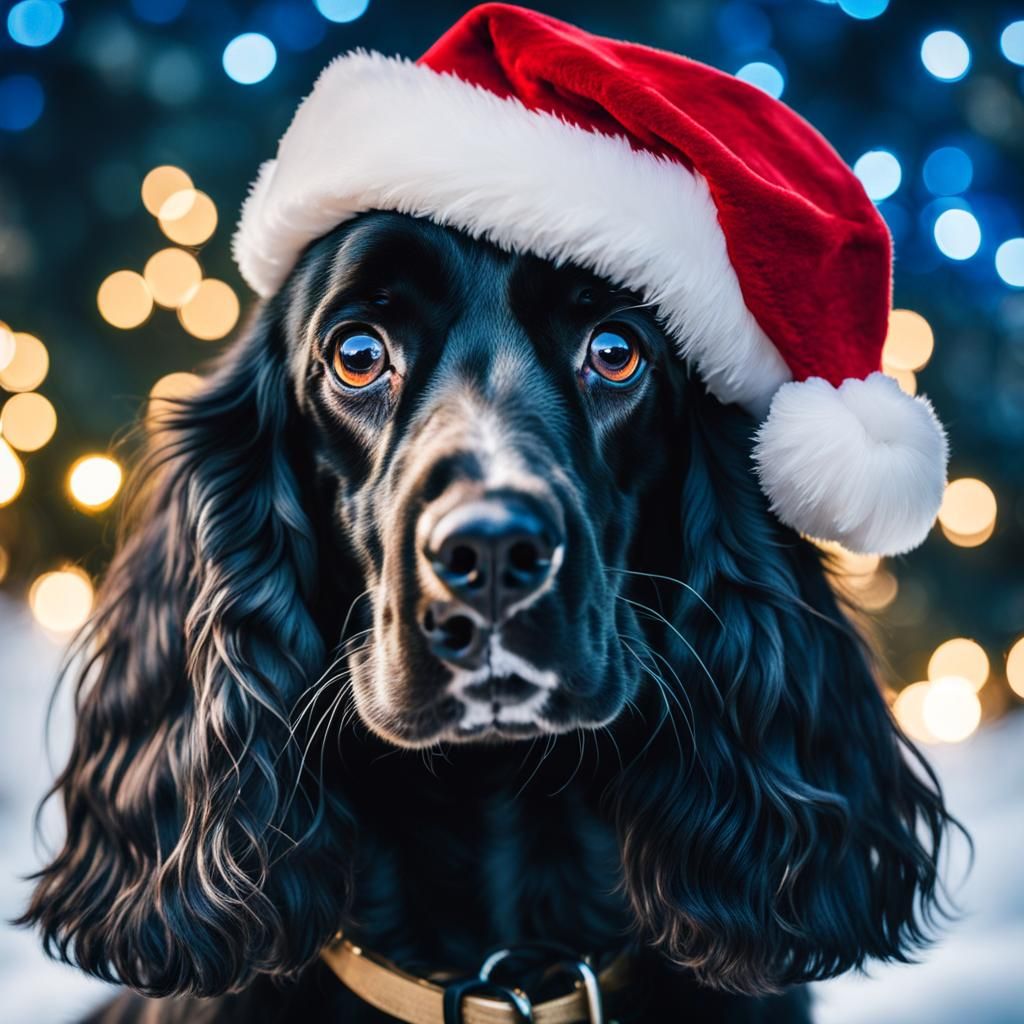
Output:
x=763 y=255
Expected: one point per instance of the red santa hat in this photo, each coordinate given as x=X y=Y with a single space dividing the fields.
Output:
x=767 y=262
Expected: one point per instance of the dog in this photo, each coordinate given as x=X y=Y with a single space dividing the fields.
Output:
x=449 y=614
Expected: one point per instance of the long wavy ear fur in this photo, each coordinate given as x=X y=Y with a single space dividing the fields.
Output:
x=798 y=834
x=194 y=858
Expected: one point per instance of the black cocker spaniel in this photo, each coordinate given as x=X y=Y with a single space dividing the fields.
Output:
x=450 y=614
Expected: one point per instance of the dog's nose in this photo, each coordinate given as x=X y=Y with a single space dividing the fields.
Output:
x=495 y=554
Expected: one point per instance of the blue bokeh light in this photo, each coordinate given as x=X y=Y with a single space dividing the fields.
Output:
x=765 y=76
x=957 y=234
x=863 y=10
x=158 y=12
x=945 y=55
x=948 y=171
x=21 y=102
x=1010 y=262
x=249 y=58
x=35 y=22
x=880 y=173
x=743 y=27
x=295 y=27
x=1011 y=42
x=342 y=10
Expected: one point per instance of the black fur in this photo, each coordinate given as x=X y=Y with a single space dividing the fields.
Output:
x=720 y=787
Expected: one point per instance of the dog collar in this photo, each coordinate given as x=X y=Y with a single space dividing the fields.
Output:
x=477 y=999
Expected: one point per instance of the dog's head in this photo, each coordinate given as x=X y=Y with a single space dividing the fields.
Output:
x=469 y=495
x=484 y=427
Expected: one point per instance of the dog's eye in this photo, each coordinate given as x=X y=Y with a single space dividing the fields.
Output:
x=360 y=357
x=614 y=353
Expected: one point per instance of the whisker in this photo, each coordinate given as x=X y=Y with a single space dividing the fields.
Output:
x=670 y=579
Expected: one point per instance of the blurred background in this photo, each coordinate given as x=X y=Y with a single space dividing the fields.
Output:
x=129 y=131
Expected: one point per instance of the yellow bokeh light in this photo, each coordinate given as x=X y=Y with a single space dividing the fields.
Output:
x=173 y=276
x=160 y=184
x=212 y=312
x=968 y=509
x=167 y=391
x=951 y=709
x=906 y=379
x=28 y=366
x=960 y=657
x=6 y=346
x=61 y=601
x=849 y=563
x=12 y=474
x=1015 y=668
x=878 y=592
x=188 y=217
x=94 y=481
x=124 y=299
x=5 y=564
x=909 y=711
x=969 y=540
x=910 y=341
x=28 y=421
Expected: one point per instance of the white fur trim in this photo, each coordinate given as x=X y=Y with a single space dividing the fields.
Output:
x=384 y=133
x=863 y=464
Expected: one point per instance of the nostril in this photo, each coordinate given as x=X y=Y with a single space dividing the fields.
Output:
x=462 y=560
x=524 y=556
x=429 y=622
x=458 y=633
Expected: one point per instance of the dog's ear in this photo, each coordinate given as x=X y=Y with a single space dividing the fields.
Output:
x=779 y=828
x=194 y=855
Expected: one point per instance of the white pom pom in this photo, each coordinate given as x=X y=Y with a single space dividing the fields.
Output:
x=863 y=464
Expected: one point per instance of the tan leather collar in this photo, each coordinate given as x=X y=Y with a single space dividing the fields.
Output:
x=416 y=1000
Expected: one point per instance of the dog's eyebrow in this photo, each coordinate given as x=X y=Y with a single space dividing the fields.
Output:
x=384 y=248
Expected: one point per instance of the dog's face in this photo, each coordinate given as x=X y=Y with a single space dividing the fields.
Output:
x=486 y=424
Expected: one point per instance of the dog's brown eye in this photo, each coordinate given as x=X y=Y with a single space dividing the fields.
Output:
x=359 y=358
x=614 y=353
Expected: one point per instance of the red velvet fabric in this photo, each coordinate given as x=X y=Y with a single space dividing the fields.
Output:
x=812 y=254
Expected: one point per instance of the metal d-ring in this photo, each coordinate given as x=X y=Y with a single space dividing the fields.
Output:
x=586 y=975
x=455 y=993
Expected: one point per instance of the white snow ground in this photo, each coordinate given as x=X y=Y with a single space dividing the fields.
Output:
x=975 y=975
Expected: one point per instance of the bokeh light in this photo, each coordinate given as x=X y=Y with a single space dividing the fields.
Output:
x=863 y=10
x=7 y=346
x=947 y=171
x=249 y=58
x=160 y=184
x=909 y=342
x=909 y=711
x=945 y=55
x=21 y=102
x=342 y=10
x=765 y=76
x=212 y=311
x=28 y=421
x=173 y=276
x=1010 y=262
x=951 y=709
x=957 y=234
x=94 y=481
x=29 y=365
x=12 y=474
x=158 y=12
x=5 y=563
x=1011 y=42
x=960 y=657
x=61 y=601
x=35 y=22
x=878 y=591
x=1015 y=668
x=879 y=172
x=167 y=392
x=124 y=300
x=188 y=217
x=968 y=512
x=906 y=379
